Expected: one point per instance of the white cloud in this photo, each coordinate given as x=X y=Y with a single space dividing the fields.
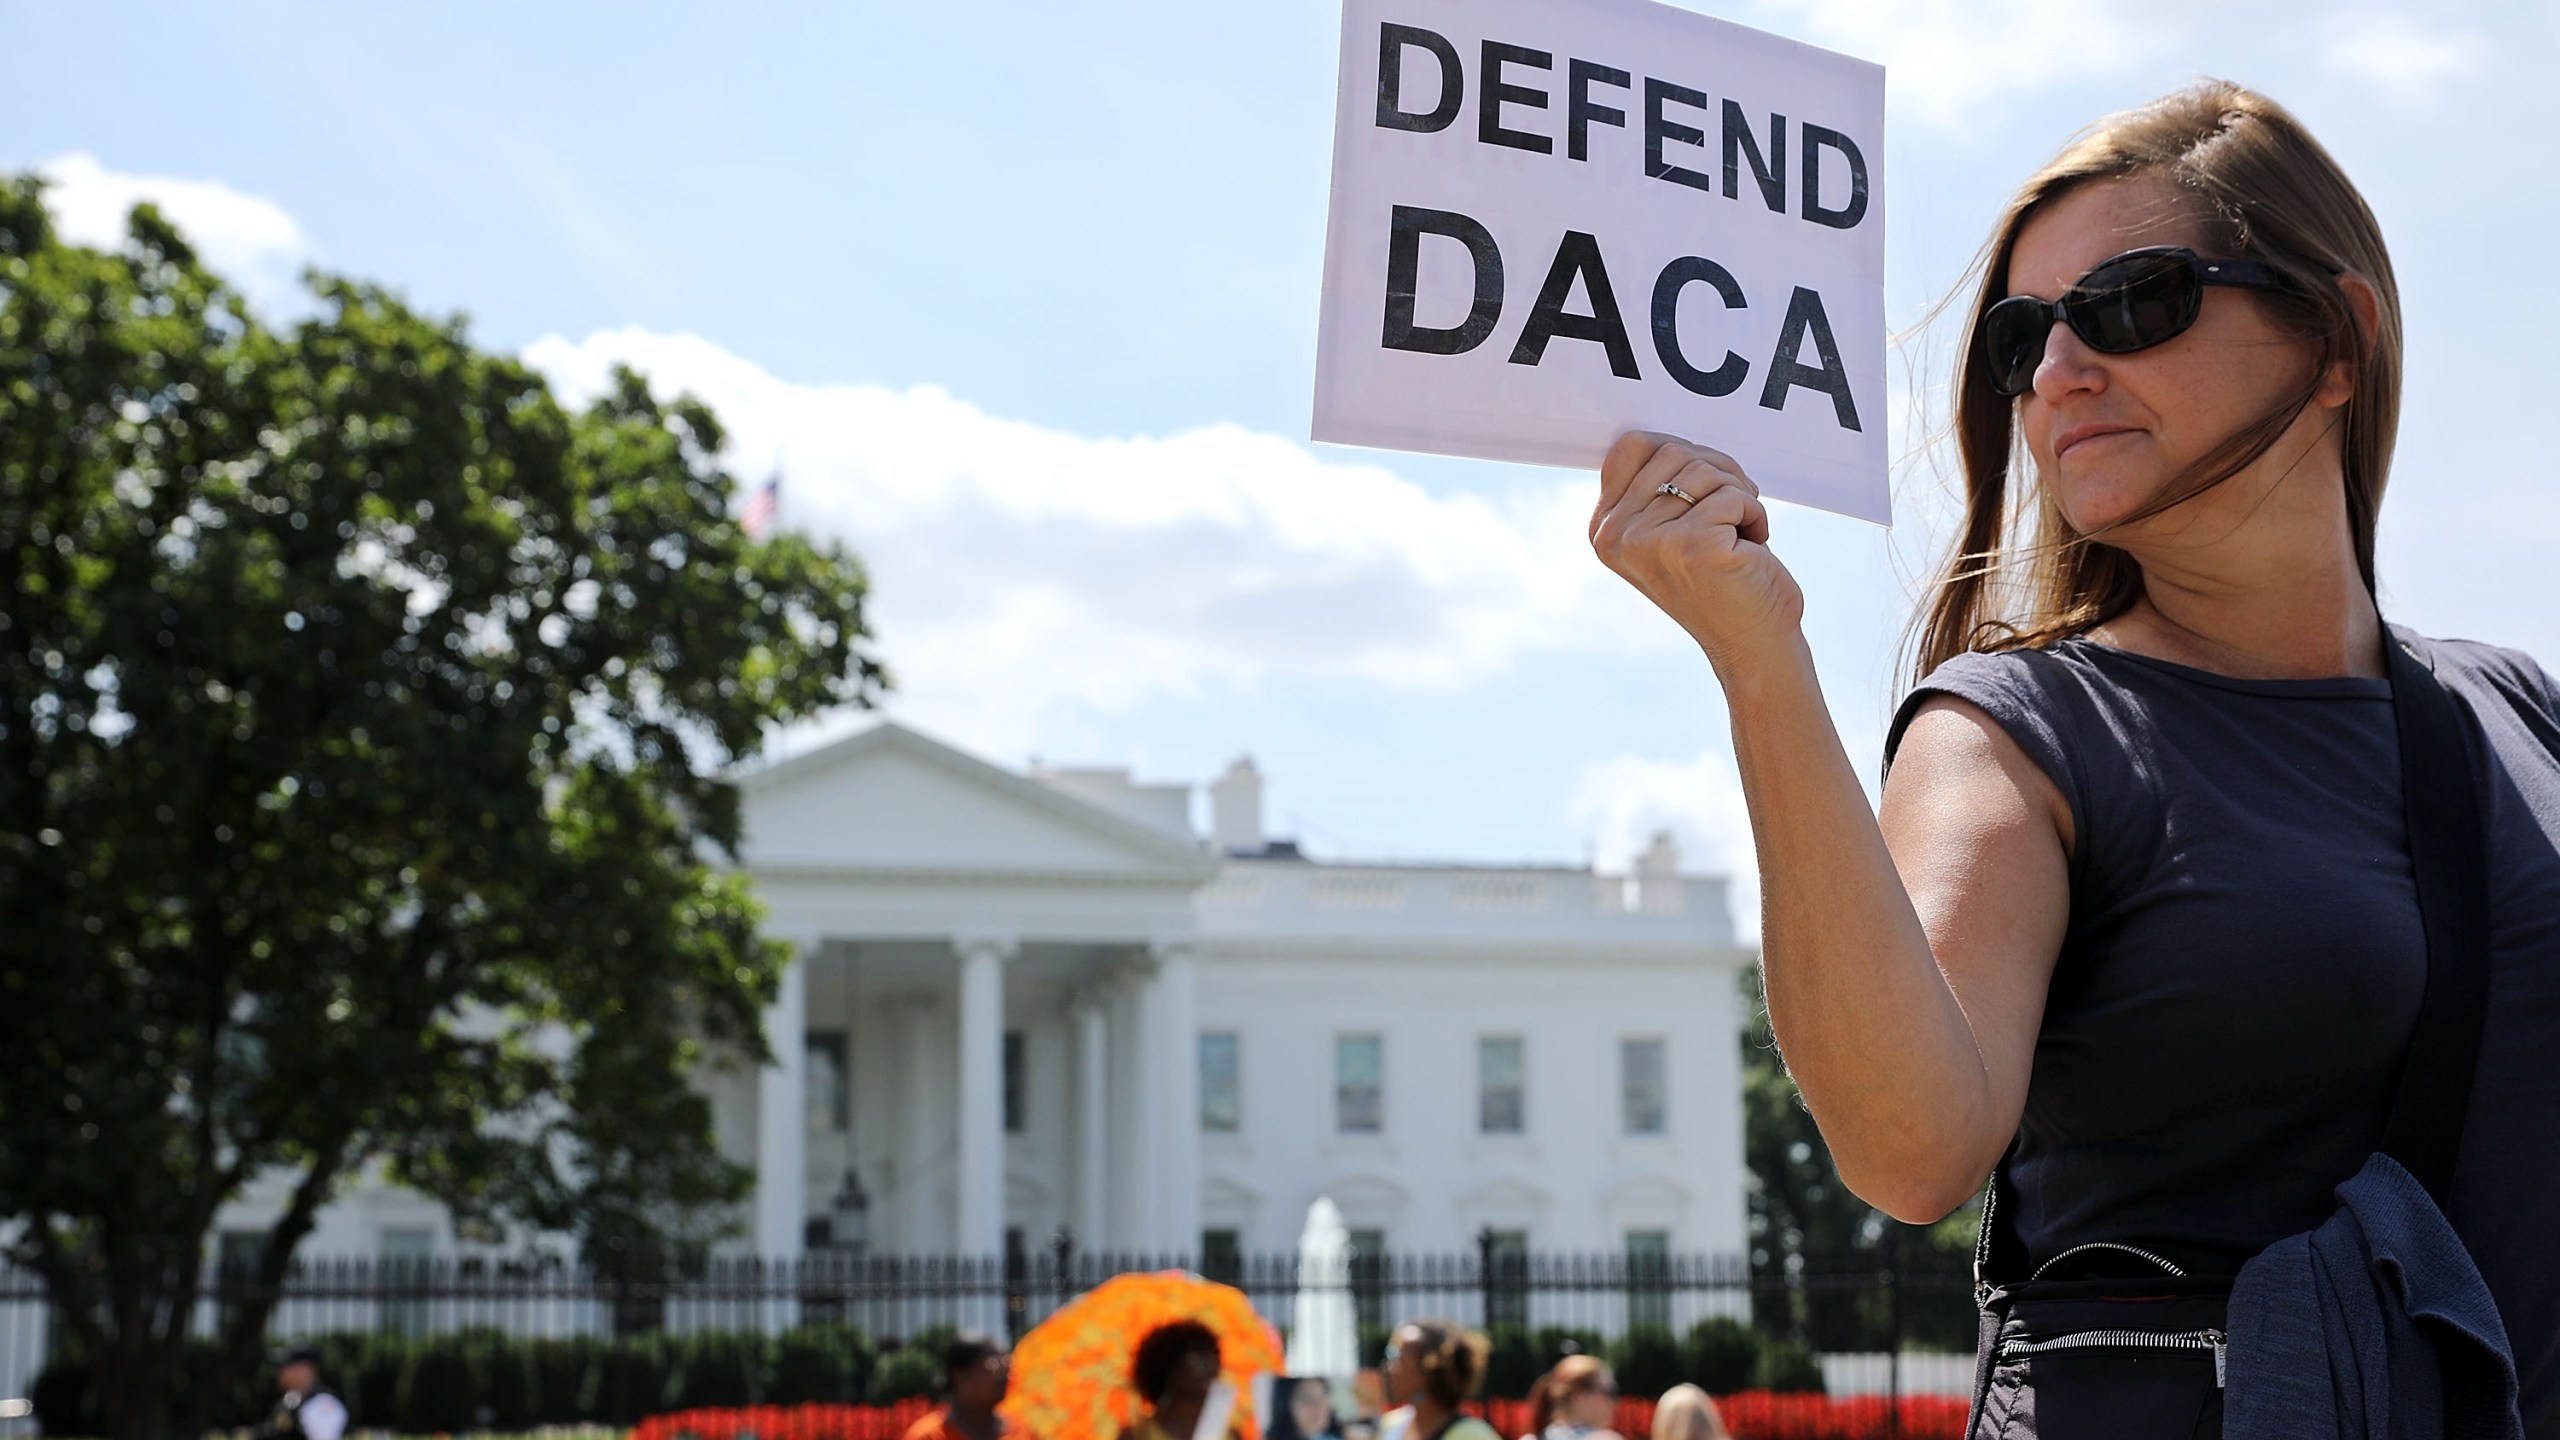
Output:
x=1946 y=60
x=248 y=240
x=2409 y=63
x=1952 y=64
x=1624 y=801
x=1020 y=570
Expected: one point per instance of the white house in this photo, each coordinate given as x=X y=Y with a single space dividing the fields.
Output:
x=1033 y=1001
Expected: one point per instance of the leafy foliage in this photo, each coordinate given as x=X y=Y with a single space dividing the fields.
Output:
x=1803 y=1220
x=1648 y=1361
x=364 y=715
x=906 y=1373
x=487 y=1379
x=1722 y=1354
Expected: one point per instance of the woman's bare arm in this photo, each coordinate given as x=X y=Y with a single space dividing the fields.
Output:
x=1906 y=958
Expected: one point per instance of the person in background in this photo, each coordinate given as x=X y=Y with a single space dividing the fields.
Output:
x=1174 y=1369
x=1577 y=1400
x=975 y=1371
x=1432 y=1366
x=1685 y=1413
x=1305 y=1409
x=303 y=1408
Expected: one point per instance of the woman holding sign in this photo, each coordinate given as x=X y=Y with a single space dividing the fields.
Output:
x=2213 y=917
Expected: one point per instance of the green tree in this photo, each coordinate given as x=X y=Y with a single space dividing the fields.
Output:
x=364 y=715
x=1806 y=1226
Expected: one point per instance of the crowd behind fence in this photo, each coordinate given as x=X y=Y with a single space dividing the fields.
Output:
x=1873 y=1306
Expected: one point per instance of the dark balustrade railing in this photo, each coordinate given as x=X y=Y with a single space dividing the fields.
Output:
x=1857 y=1303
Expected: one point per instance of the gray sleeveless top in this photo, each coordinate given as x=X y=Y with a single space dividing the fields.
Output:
x=2243 y=964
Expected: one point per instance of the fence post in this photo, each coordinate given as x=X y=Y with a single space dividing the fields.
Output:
x=1484 y=1276
x=1062 y=1254
x=1893 y=1328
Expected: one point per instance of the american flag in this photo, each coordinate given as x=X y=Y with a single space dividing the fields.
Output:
x=763 y=508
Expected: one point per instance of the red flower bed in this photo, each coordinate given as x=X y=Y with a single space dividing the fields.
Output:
x=1750 y=1415
x=1765 y=1415
x=785 y=1422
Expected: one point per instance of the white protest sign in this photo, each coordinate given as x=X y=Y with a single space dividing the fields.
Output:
x=1555 y=221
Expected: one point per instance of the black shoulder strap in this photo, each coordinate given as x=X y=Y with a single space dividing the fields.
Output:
x=2449 y=853
x=2449 y=850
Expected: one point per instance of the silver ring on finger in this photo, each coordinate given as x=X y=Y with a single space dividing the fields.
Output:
x=1667 y=488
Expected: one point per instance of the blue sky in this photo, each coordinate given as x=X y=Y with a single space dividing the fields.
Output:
x=1024 y=295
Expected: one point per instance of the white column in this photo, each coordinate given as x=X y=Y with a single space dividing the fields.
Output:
x=782 y=1116
x=981 y=1091
x=922 y=1068
x=1093 y=1061
x=1177 y=986
x=1148 y=1225
x=1129 y=1073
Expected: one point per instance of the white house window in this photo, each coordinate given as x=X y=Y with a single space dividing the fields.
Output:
x=235 y=1261
x=827 y=1085
x=1222 y=1255
x=1506 y=1278
x=1501 y=1105
x=408 y=1263
x=1221 y=1083
x=1358 y=1073
x=1649 y=1280
x=1369 y=1277
x=1642 y=1091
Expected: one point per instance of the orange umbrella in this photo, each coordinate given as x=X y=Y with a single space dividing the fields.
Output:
x=1071 y=1373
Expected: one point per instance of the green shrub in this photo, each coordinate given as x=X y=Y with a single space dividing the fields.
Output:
x=370 y=1375
x=1788 y=1365
x=635 y=1381
x=65 y=1403
x=1521 y=1356
x=903 y=1374
x=504 y=1364
x=1555 y=1342
x=1373 y=1345
x=438 y=1392
x=722 y=1368
x=1515 y=1364
x=1723 y=1355
x=829 y=1362
x=568 y=1378
x=1648 y=1362
x=230 y=1394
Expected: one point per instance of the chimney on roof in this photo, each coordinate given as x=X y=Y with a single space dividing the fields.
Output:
x=1658 y=876
x=1235 y=809
x=1661 y=859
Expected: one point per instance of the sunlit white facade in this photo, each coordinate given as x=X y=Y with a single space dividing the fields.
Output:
x=1033 y=1002
x=1029 y=1002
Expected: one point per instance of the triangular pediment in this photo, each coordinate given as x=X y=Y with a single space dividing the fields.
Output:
x=1649 y=1191
x=1368 y=1201
x=1229 y=1192
x=1504 y=1196
x=892 y=799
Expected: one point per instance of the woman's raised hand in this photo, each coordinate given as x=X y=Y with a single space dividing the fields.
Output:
x=1705 y=561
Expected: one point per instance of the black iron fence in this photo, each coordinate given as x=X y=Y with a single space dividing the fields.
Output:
x=1662 y=1318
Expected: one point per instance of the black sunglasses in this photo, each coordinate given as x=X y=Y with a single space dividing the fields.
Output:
x=2128 y=302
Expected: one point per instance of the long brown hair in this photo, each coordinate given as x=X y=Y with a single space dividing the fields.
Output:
x=1452 y=1359
x=2018 y=574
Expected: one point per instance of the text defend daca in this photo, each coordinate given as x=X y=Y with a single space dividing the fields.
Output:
x=1740 y=146
x=1578 y=254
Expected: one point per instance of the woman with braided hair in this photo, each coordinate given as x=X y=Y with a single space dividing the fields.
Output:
x=1433 y=1367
